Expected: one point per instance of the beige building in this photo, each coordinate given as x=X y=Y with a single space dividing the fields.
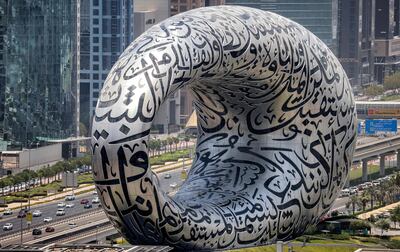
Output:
x=34 y=159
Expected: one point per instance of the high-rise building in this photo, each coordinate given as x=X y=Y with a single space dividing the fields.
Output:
x=356 y=40
x=38 y=70
x=318 y=16
x=387 y=38
x=106 y=30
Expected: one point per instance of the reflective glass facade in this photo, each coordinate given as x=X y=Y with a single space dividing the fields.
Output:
x=38 y=69
x=318 y=16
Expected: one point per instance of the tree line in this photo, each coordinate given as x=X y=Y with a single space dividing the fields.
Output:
x=47 y=172
x=385 y=193
x=170 y=144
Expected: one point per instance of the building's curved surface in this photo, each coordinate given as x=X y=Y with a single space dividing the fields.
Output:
x=276 y=130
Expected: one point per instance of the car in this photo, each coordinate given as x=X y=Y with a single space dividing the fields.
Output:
x=345 y=193
x=60 y=212
x=95 y=200
x=353 y=191
x=21 y=214
x=69 y=205
x=167 y=176
x=84 y=201
x=49 y=229
x=368 y=184
x=87 y=206
x=94 y=192
x=173 y=185
x=37 y=213
x=8 y=212
x=70 y=197
x=72 y=225
x=8 y=226
x=61 y=204
x=36 y=231
x=47 y=219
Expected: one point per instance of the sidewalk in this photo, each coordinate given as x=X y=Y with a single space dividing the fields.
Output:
x=85 y=187
x=82 y=188
x=379 y=210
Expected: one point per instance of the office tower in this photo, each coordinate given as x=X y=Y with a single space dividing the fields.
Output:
x=356 y=40
x=318 y=16
x=38 y=70
x=387 y=38
x=106 y=30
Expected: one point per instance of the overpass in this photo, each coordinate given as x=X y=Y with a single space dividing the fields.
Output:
x=375 y=150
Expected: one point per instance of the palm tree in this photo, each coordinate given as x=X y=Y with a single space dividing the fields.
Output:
x=395 y=215
x=164 y=144
x=383 y=224
x=187 y=139
x=371 y=192
x=176 y=142
x=152 y=146
x=41 y=174
x=354 y=200
x=364 y=200
x=170 y=142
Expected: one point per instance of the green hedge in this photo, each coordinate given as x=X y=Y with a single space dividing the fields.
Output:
x=169 y=157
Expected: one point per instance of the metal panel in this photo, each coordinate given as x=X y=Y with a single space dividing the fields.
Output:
x=277 y=130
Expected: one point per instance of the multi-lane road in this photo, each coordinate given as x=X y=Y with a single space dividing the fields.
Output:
x=82 y=216
x=48 y=210
x=61 y=223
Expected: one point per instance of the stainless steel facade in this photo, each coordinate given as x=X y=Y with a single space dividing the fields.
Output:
x=318 y=16
x=277 y=130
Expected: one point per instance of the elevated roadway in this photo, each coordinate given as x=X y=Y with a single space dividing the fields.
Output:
x=375 y=150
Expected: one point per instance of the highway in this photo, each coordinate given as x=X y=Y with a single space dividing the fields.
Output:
x=373 y=149
x=48 y=210
x=60 y=223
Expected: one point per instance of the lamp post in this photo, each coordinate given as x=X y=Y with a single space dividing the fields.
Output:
x=97 y=227
x=21 y=226
x=29 y=177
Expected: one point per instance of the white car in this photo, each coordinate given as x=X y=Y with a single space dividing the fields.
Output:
x=173 y=185
x=8 y=226
x=69 y=197
x=72 y=225
x=60 y=212
x=95 y=200
x=167 y=176
x=61 y=204
x=94 y=192
x=47 y=219
x=8 y=212
x=70 y=205
x=37 y=213
x=345 y=193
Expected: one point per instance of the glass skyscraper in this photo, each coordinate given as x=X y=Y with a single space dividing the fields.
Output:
x=38 y=69
x=318 y=16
